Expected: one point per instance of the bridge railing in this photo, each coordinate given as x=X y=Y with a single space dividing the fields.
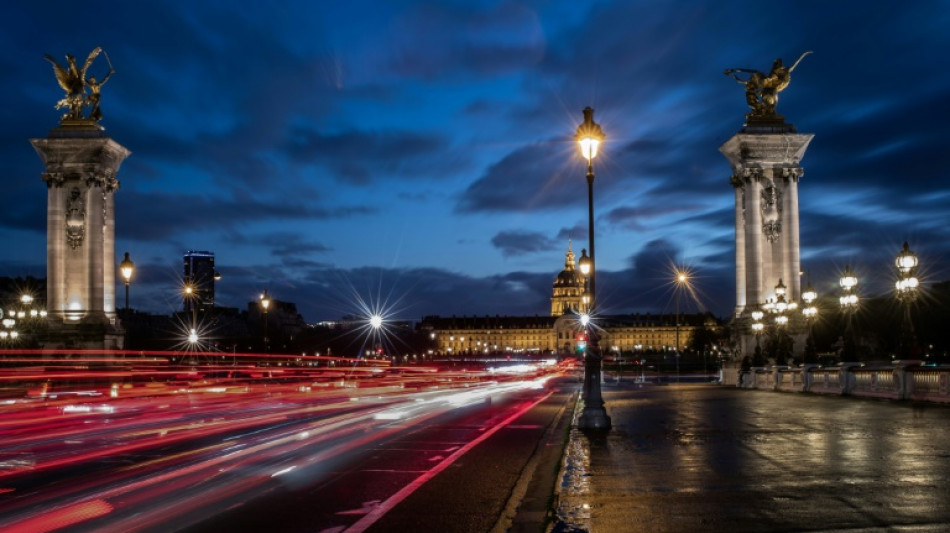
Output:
x=899 y=381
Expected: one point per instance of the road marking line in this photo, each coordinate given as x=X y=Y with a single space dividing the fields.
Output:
x=364 y=523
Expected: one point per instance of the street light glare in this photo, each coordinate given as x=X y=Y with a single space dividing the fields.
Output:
x=589 y=147
x=585 y=319
x=376 y=321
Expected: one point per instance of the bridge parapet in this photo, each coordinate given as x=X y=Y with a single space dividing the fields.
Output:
x=902 y=380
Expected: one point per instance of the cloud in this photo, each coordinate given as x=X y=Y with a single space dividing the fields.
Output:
x=160 y=215
x=513 y=243
x=527 y=179
x=431 y=41
x=361 y=157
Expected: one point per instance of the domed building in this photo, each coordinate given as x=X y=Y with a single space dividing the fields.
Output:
x=568 y=287
x=558 y=333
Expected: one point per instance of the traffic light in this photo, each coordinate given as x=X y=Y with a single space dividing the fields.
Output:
x=581 y=342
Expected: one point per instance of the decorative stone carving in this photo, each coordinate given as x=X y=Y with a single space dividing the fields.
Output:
x=772 y=230
x=771 y=198
x=792 y=174
x=54 y=179
x=75 y=218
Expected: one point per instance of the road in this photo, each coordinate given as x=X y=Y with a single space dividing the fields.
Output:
x=717 y=459
x=261 y=455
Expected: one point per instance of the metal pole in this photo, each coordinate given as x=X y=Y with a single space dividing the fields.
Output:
x=126 y=295
x=594 y=416
x=677 y=347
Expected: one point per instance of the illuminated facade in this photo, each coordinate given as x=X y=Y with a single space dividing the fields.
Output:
x=80 y=175
x=765 y=161
x=547 y=335
x=568 y=287
x=559 y=333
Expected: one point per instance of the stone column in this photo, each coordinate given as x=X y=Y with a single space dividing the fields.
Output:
x=81 y=165
x=753 y=239
x=740 y=247
x=55 y=243
x=794 y=282
x=108 y=250
x=758 y=154
x=93 y=254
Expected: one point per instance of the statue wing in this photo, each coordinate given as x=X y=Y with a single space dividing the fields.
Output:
x=92 y=57
x=62 y=75
x=799 y=60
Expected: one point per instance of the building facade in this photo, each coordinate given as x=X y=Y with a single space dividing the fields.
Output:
x=559 y=333
x=200 y=275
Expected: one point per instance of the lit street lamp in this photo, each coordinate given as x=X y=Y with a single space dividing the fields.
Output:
x=907 y=289
x=594 y=417
x=681 y=281
x=849 y=303
x=757 y=327
x=127 y=268
x=810 y=312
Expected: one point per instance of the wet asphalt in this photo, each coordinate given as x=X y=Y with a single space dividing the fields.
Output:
x=696 y=457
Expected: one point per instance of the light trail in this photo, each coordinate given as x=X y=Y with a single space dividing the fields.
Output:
x=379 y=511
x=189 y=446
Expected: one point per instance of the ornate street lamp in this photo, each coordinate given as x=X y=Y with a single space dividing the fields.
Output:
x=849 y=303
x=907 y=289
x=594 y=417
x=778 y=307
x=757 y=327
x=810 y=312
x=127 y=268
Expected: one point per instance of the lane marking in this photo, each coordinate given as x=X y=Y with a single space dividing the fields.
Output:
x=373 y=516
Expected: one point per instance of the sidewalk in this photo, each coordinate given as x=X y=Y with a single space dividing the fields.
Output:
x=699 y=457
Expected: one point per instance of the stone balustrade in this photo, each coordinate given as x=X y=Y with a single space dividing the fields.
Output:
x=902 y=380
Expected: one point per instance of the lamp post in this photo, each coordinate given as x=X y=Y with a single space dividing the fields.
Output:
x=810 y=312
x=681 y=280
x=127 y=268
x=265 y=305
x=757 y=327
x=778 y=307
x=907 y=289
x=849 y=303
x=594 y=417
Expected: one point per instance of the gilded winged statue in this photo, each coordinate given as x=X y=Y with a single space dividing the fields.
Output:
x=761 y=89
x=75 y=82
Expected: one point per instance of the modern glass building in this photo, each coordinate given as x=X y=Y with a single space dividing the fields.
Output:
x=199 y=277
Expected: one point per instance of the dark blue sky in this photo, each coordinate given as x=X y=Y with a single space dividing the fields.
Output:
x=421 y=154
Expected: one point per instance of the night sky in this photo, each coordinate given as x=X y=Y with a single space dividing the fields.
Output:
x=419 y=155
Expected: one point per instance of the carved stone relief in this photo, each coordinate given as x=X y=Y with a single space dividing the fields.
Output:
x=772 y=230
x=75 y=218
x=771 y=211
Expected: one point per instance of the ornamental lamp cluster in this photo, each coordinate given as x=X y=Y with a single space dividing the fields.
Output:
x=907 y=283
x=19 y=315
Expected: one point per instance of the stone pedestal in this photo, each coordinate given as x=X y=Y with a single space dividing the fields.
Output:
x=81 y=166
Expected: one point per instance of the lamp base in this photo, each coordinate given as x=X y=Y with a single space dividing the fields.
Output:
x=594 y=418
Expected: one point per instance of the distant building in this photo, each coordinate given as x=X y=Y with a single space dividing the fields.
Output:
x=558 y=333
x=568 y=287
x=200 y=276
